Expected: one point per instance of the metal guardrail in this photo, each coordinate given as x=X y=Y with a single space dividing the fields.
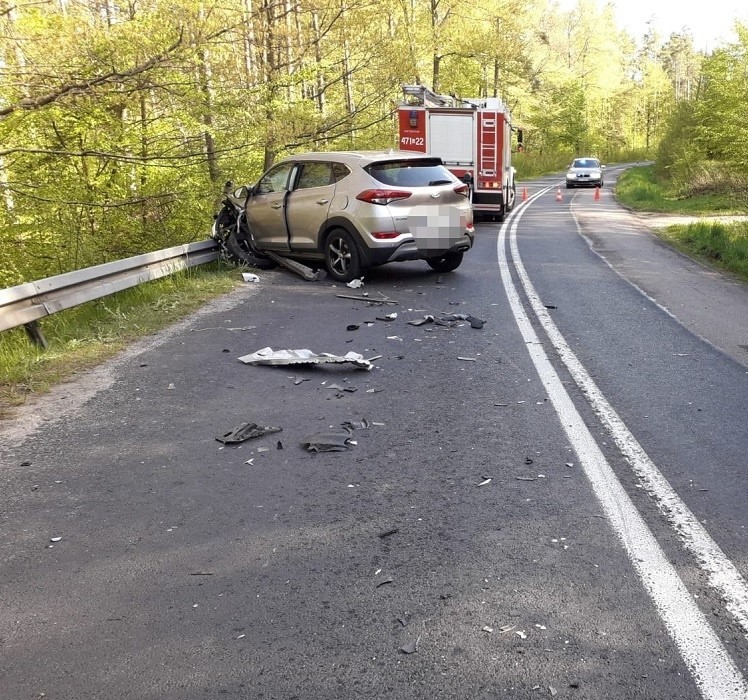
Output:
x=25 y=304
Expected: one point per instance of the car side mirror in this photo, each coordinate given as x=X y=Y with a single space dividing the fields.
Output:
x=602 y=167
x=242 y=193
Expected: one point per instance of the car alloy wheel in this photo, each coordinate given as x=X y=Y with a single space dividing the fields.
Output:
x=342 y=256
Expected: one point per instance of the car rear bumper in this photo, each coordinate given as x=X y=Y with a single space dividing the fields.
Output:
x=408 y=250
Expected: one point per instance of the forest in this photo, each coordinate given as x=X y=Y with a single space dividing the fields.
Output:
x=120 y=120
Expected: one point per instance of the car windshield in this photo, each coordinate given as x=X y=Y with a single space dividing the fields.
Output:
x=585 y=163
x=427 y=172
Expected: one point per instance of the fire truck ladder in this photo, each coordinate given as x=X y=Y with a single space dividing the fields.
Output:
x=489 y=162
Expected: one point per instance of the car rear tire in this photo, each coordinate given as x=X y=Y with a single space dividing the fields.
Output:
x=342 y=257
x=446 y=263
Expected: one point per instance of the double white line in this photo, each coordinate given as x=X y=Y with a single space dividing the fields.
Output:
x=711 y=666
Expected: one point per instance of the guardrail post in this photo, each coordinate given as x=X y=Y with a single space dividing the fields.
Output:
x=35 y=333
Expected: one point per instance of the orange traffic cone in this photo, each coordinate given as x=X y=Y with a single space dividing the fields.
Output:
x=524 y=194
x=559 y=198
x=597 y=193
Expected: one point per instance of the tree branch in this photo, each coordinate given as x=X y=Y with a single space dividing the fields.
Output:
x=88 y=85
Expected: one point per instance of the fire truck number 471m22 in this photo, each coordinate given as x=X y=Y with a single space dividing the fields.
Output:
x=471 y=136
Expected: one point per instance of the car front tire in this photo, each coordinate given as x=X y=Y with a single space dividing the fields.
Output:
x=342 y=256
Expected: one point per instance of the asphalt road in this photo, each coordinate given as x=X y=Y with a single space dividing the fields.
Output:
x=553 y=505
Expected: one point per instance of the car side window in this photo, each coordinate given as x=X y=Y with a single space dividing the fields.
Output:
x=339 y=171
x=275 y=179
x=314 y=175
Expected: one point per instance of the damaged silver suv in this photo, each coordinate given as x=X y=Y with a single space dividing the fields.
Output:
x=352 y=211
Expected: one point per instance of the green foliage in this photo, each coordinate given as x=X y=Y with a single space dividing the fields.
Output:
x=86 y=334
x=120 y=122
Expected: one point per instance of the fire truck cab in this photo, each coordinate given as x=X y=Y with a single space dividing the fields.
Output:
x=473 y=137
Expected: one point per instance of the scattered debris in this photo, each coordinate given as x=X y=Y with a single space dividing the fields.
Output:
x=387 y=533
x=525 y=478
x=506 y=628
x=501 y=404
x=373 y=391
x=350 y=389
x=201 y=573
x=384 y=582
x=388 y=317
x=467 y=359
x=394 y=337
x=371 y=300
x=528 y=460
x=552 y=691
x=410 y=647
x=55 y=539
x=403 y=621
x=246 y=431
x=355 y=424
x=486 y=628
x=421 y=321
x=268 y=356
x=302 y=270
x=356 y=284
x=338 y=441
x=550 y=306
x=301 y=380
x=352 y=327
x=279 y=445
x=521 y=634
x=486 y=480
x=250 y=277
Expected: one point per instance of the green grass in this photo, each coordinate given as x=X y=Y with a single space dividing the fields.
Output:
x=85 y=335
x=639 y=189
x=718 y=243
x=723 y=245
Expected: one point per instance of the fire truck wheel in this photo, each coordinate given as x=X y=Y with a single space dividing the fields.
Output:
x=341 y=256
x=446 y=263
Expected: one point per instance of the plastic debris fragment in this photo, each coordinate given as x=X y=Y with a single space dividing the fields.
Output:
x=268 y=356
x=246 y=431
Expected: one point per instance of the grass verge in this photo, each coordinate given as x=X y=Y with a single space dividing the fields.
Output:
x=85 y=335
x=718 y=243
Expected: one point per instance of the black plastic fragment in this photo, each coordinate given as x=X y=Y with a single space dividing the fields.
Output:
x=244 y=432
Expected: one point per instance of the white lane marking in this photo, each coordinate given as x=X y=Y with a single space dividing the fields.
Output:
x=713 y=670
x=722 y=574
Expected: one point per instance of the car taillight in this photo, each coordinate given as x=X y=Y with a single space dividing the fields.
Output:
x=382 y=196
x=385 y=235
x=464 y=190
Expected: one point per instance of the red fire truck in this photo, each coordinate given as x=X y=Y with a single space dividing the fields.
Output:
x=473 y=137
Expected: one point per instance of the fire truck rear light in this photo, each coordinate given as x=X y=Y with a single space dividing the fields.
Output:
x=382 y=196
x=463 y=190
x=385 y=235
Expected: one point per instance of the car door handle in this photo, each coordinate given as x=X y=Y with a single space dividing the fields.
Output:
x=322 y=201
x=276 y=206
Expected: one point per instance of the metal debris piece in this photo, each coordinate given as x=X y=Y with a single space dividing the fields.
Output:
x=302 y=270
x=506 y=628
x=387 y=533
x=372 y=300
x=55 y=539
x=338 y=441
x=485 y=481
x=403 y=621
x=394 y=337
x=486 y=628
x=521 y=634
x=355 y=424
x=410 y=647
x=355 y=284
x=268 y=356
x=384 y=582
x=250 y=277
x=246 y=431
x=525 y=478
x=388 y=317
x=301 y=380
x=552 y=691
x=467 y=359
x=550 y=306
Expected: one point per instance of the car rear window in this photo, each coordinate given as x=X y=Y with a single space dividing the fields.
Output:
x=411 y=173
